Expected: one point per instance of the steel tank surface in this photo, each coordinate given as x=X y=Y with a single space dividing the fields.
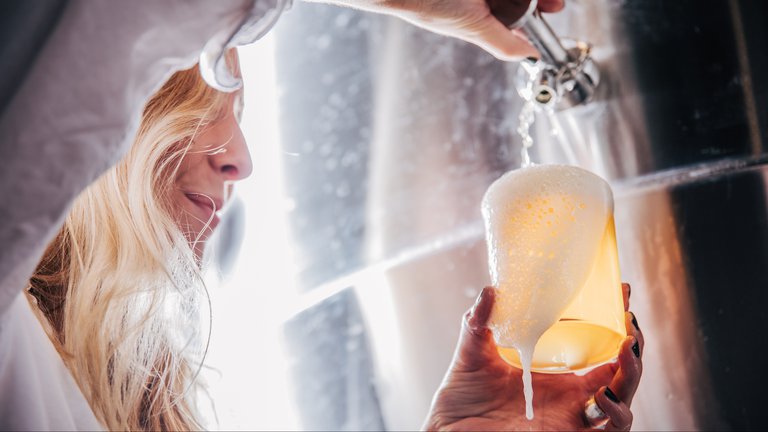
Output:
x=680 y=129
x=678 y=126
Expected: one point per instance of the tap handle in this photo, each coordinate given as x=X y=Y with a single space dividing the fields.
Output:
x=511 y=12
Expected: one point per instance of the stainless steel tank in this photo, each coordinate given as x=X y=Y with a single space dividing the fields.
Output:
x=678 y=125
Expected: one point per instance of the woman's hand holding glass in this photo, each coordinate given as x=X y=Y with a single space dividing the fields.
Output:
x=482 y=392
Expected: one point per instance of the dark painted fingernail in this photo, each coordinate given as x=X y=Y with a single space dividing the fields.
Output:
x=636 y=349
x=611 y=395
x=634 y=321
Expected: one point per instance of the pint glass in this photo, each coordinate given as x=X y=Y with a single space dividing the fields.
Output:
x=553 y=259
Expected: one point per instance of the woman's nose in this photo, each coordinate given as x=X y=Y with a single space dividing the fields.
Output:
x=233 y=160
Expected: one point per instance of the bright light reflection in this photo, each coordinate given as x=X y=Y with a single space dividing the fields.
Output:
x=249 y=380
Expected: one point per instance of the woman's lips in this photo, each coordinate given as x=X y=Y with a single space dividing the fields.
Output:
x=210 y=206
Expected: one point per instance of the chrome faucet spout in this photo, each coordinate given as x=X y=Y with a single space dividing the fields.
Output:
x=569 y=72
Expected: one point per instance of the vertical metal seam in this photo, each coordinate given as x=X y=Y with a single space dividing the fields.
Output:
x=746 y=78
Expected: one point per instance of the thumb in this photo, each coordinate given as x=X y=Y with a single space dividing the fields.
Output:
x=505 y=44
x=476 y=346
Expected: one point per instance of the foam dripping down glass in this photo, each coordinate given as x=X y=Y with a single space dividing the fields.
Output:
x=553 y=259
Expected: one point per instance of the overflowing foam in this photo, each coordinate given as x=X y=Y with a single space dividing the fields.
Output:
x=544 y=227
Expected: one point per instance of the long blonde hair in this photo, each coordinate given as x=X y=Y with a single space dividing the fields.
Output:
x=119 y=289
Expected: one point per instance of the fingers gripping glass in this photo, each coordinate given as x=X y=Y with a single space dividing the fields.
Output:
x=259 y=20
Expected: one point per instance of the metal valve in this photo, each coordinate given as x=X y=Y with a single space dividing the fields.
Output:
x=562 y=77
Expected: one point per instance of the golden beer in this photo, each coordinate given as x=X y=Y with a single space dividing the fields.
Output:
x=553 y=258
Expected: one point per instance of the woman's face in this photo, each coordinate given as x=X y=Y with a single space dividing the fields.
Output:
x=217 y=158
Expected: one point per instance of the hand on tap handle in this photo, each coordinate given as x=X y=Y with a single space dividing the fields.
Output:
x=481 y=391
x=483 y=23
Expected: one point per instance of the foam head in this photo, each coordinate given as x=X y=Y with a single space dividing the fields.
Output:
x=544 y=225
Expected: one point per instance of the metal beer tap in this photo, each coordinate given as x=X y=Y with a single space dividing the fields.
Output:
x=564 y=77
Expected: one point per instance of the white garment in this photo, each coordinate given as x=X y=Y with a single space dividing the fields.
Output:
x=38 y=391
x=73 y=117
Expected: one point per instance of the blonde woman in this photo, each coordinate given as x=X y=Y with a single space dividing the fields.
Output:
x=119 y=289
